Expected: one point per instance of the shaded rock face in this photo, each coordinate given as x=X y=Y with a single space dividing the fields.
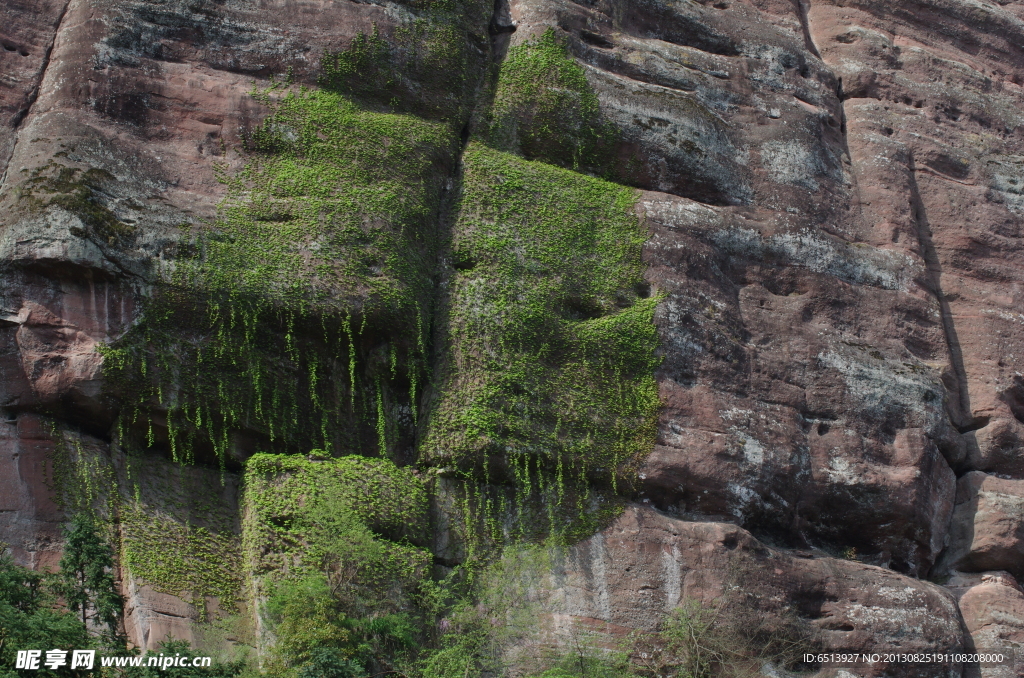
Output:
x=31 y=518
x=834 y=198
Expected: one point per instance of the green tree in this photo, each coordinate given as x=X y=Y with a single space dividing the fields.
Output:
x=86 y=577
x=29 y=621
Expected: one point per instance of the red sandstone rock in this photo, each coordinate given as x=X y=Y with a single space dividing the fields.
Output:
x=935 y=85
x=841 y=327
x=987 y=532
x=993 y=609
x=26 y=40
x=48 y=338
x=30 y=520
x=151 y=617
x=645 y=564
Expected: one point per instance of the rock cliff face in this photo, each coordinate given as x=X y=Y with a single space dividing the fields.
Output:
x=445 y=233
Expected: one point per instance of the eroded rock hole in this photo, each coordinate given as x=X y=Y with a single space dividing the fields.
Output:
x=595 y=40
x=462 y=261
x=578 y=308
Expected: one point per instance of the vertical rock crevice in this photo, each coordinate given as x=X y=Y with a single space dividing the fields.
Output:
x=960 y=411
x=802 y=7
x=30 y=101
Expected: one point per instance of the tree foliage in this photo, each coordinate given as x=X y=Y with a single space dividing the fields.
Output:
x=30 y=620
x=86 y=577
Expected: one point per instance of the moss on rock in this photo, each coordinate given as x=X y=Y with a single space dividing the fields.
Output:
x=428 y=65
x=353 y=514
x=545 y=109
x=547 y=382
x=185 y=560
x=78 y=191
x=301 y=315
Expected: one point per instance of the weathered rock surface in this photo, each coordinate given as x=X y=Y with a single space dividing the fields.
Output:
x=987 y=532
x=835 y=198
x=992 y=605
x=27 y=40
x=30 y=519
x=58 y=305
x=646 y=564
x=938 y=93
x=151 y=617
x=851 y=416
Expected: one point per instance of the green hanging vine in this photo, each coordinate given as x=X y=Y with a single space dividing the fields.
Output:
x=296 y=317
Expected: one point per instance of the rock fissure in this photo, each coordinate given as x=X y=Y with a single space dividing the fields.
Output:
x=20 y=116
x=961 y=414
x=802 y=8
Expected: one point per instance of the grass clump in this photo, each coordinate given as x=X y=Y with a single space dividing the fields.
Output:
x=725 y=638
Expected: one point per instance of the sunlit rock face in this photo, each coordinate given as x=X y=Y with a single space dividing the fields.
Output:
x=202 y=260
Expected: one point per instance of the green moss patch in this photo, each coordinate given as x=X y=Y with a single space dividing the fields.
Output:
x=545 y=109
x=180 y=532
x=353 y=517
x=548 y=381
x=300 y=316
x=335 y=201
x=81 y=476
x=184 y=560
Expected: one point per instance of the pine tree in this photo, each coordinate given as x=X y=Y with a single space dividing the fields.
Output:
x=86 y=577
x=30 y=621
